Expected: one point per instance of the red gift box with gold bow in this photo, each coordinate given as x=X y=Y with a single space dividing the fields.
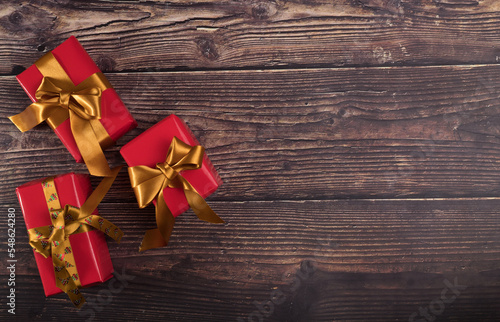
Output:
x=167 y=162
x=83 y=250
x=72 y=95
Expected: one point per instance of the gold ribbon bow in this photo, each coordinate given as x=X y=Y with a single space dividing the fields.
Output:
x=149 y=184
x=59 y=99
x=53 y=240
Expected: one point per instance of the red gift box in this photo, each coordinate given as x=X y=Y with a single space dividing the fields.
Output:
x=116 y=119
x=151 y=147
x=89 y=248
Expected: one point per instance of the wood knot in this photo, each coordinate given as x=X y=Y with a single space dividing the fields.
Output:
x=17 y=69
x=16 y=18
x=330 y=121
x=63 y=2
x=28 y=19
x=260 y=11
x=263 y=10
x=106 y=63
x=207 y=48
x=391 y=6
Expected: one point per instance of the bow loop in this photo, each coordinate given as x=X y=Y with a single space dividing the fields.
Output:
x=87 y=103
x=182 y=156
x=146 y=183
x=48 y=90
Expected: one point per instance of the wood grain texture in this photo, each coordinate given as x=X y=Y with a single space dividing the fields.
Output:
x=326 y=257
x=304 y=134
x=358 y=141
x=160 y=35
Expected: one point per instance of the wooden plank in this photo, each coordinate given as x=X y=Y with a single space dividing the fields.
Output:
x=323 y=296
x=303 y=134
x=331 y=260
x=159 y=35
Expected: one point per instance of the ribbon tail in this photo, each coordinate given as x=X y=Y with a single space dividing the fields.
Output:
x=98 y=194
x=152 y=239
x=89 y=146
x=198 y=204
x=67 y=278
x=105 y=141
x=159 y=237
x=33 y=115
x=103 y=225
x=201 y=208
x=85 y=213
x=38 y=240
x=37 y=247
x=57 y=117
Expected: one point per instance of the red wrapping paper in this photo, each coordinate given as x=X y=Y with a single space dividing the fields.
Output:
x=90 y=248
x=151 y=147
x=116 y=119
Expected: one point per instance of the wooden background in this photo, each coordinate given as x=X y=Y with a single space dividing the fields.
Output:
x=358 y=141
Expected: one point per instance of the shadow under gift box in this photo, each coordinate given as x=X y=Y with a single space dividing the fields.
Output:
x=73 y=58
x=151 y=147
x=90 y=249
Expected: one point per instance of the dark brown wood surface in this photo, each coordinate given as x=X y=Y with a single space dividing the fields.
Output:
x=358 y=142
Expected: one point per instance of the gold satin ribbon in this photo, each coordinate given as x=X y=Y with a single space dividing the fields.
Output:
x=53 y=240
x=149 y=184
x=59 y=99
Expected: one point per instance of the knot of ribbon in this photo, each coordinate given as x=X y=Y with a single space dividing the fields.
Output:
x=59 y=99
x=53 y=240
x=150 y=183
x=86 y=102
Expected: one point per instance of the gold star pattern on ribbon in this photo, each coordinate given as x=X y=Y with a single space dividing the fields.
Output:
x=53 y=240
